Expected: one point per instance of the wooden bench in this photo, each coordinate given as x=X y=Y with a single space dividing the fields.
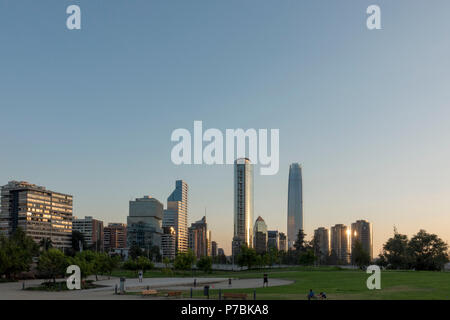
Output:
x=229 y=295
x=149 y=293
x=174 y=293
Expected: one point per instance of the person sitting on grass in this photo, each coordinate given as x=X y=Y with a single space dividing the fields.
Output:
x=311 y=295
x=323 y=296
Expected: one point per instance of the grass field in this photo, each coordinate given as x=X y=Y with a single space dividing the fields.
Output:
x=338 y=284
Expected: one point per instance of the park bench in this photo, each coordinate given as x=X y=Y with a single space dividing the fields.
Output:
x=229 y=295
x=174 y=293
x=149 y=293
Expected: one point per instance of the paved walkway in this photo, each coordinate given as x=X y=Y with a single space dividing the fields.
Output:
x=13 y=290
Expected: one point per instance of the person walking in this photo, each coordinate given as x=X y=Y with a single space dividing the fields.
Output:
x=141 y=275
x=266 y=280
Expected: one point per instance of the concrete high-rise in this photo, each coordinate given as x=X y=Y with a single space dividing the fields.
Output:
x=144 y=223
x=295 y=203
x=322 y=244
x=115 y=236
x=176 y=215
x=273 y=239
x=362 y=232
x=40 y=213
x=243 y=204
x=260 y=235
x=282 y=242
x=199 y=238
x=92 y=231
x=213 y=249
x=340 y=243
x=168 y=243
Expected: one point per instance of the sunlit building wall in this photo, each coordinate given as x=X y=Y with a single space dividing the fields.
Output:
x=340 y=243
x=176 y=214
x=362 y=231
x=40 y=213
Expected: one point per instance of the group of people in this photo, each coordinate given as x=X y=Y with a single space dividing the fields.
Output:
x=321 y=296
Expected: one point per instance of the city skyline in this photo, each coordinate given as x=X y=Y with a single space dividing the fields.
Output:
x=364 y=112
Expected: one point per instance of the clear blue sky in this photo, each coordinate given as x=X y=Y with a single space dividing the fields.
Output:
x=90 y=112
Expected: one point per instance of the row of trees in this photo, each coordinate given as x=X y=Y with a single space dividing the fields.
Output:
x=424 y=251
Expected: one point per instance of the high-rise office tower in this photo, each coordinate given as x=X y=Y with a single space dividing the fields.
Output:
x=198 y=238
x=362 y=232
x=144 y=223
x=213 y=249
x=40 y=213
x=92 y=231
x=340 y=243
x=209 y=242
x=322 y=244
x=273 y=239
x=243 y=204
x=260 y=235
x=176 y=215
x=115 y=236
x=282 y=241
x=295 y=203
x=168 y=242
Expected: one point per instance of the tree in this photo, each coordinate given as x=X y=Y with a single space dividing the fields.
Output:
x=155 y=253
x=77 y=239
x=105 y=264
x=247 y=257
x=427 y=251
x=306 y=258
x=135 y=251
x=143 y=263
x=16 y=253
x=52 y=263
x=360 y=257
x=184 y=260
x=395 y=252
x=273 y=256
x=300 y=244
x=46 y=243
x=166 y=262
x=87 y=261
x=205 y=264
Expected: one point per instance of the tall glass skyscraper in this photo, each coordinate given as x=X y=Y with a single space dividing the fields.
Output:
x=243 y=204
x=176 y=215
x=295 y=203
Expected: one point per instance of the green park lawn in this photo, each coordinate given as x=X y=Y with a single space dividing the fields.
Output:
x=338 y=284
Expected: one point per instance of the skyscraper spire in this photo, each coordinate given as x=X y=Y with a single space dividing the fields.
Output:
x=295 y=203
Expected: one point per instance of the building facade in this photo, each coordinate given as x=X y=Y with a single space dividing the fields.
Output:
x=168 y=242
x=144 y=223
x=115 y=236
x=40 y=213
x=340 y=243
x=322 y=244
x=92 y=231
x=273 y=239
x=362 y=231
x=198 y=238
x=213 y=249
x=176 y=215
x=260 y=235
x=243 y=205
x=295 y=203
x=282 y=241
